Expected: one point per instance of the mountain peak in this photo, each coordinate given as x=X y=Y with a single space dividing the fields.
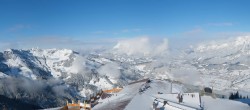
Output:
x=235 y=43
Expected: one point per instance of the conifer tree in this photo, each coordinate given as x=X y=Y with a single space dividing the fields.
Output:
x=237 y=95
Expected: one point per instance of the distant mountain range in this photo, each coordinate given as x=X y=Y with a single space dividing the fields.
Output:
x=46 y=77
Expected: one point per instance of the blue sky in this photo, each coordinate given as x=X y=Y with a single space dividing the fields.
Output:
x=96 y=21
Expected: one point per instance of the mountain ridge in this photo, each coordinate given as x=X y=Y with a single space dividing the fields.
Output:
x=69 y=74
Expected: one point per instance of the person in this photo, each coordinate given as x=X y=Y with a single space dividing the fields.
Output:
x=155 y=103
x=165 y=102
x=181 y=98
x=140 y=90
x=149 y=81
x=192 y=95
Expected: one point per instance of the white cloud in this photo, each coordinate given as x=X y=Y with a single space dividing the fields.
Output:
x=78 y=65
x=232 y=34
x=56 y=42
x=125 y=30
x=161 y=47
x=221 y=24
x=121 y=31
x=194 y=32
x=99 y=32
x=7 y=45
x=130 y=30
x=111 y=70
x=141 y=46
x=187 y=74
x=18 y=27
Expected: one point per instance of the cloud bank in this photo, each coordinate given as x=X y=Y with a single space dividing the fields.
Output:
x=111 y=70
x=141 y=46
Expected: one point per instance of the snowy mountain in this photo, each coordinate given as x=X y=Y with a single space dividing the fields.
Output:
x=223 y=64
x=46 y=77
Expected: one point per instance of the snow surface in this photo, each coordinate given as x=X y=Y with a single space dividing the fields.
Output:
x=144 y=101
x=223 y=104
x=188 y=100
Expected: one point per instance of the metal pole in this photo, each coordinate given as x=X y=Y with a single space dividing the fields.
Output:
x=171 y=87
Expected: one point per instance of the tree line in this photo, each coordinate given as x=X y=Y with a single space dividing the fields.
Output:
x=236 y=95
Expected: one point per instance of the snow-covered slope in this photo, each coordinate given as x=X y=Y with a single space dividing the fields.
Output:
x=222 y=104
x=223 y=64
x=131 y=99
